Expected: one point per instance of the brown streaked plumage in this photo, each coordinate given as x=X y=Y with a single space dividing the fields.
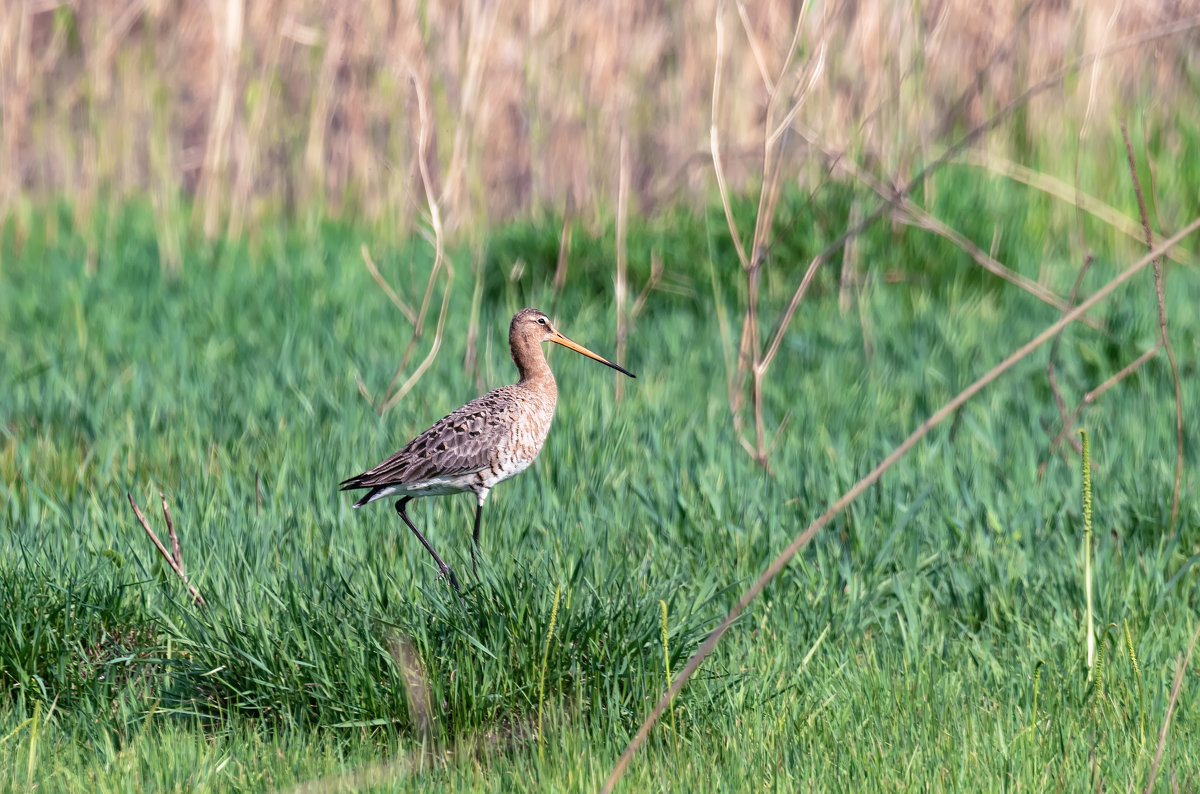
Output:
x=488 y=440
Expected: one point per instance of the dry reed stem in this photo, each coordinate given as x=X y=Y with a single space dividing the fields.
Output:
x=1092 y=396
x=714 y=137
x=228 y=33
x=1164 y=337
x=176 y=561
x=479 y=43
x=749 y=357
x=802 y=540
x=734 y=375
x=1180 y=667
x=248 y=164
x=848 y=282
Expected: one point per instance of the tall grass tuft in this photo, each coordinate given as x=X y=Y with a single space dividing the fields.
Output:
x=545 y=657
x=1087 y=549
x=667 y=673
x=1037 y=679
x=1098 y=675
x=1137 y=675
x=33 y=742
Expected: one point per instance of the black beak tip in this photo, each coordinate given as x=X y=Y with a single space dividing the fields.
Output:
x=623 y=371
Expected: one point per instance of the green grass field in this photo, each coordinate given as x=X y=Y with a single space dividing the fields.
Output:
x=904 y=650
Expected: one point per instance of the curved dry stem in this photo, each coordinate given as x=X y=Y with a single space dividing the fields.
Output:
x=866 y=482
x=755 y=47
x=714 y=137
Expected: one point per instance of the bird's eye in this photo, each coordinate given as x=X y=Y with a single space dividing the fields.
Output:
x=541 y=321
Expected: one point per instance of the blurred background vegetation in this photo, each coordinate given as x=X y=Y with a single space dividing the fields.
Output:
x=249 y=110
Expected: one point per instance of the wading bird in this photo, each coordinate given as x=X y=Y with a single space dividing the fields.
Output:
x=489 y=439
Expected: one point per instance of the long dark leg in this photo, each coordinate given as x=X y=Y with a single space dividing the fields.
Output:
x=442 y=566
x=475 y=538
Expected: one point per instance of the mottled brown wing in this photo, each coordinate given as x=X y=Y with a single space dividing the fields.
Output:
x=461 y=443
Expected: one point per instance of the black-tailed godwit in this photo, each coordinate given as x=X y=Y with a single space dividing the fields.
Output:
x=488 y=440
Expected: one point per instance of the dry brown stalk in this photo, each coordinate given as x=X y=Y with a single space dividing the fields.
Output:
x=483 y=24
x=228 y=34
x=1164 y=340
x=416 y=686
x=175 y=551
x=750 y=360
x=248 y=160
x=471 y=352
x=802 y=540
x=174 y=560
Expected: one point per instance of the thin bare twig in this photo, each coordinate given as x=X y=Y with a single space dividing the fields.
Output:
x=801 y=540
x=714 y=137
x=176 y=562
x=1164 y=338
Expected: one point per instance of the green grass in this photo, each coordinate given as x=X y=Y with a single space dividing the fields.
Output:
x=898 y=652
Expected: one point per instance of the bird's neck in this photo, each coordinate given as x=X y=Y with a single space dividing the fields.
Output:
x=535 y=373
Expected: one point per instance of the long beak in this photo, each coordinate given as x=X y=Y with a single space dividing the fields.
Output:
x=562 y=340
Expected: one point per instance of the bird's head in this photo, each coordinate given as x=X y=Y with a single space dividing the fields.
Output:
x=531 y=327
